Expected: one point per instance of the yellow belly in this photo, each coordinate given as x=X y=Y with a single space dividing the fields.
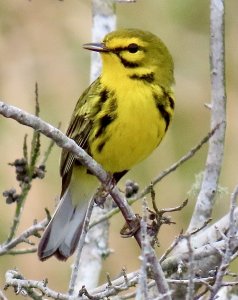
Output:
x=133 y=135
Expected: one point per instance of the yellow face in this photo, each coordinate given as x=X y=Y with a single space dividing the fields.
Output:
x=125 y=58
x=134 y=52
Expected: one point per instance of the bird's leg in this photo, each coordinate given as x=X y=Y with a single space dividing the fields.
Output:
x=100 y=196
x=104 y=190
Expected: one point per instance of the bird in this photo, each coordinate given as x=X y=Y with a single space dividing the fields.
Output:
x=119 y=120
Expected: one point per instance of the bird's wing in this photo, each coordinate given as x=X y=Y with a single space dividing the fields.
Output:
x=79 y=130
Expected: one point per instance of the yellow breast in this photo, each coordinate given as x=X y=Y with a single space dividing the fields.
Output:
x=135 y=132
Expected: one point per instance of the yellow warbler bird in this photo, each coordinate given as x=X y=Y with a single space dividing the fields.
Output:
x=119 y=120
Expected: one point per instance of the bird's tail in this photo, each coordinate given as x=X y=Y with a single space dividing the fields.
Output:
x=63 y=232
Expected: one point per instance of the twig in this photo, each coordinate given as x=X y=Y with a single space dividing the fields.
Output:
x=200 y=228
x=13 y=278
x=208 y=256
x=115 y=289
x=21 y=251
x=230 y=283
x=159 y=275
x=112 y=288
x=173 y=209
x=171 y=247
x=205 y=200
x=149 y=259
x=35 y=142
x=205 y=249
x=210 y=236
x=26 y=171
x=17 y=215
x=31 y=231
x=142 y=289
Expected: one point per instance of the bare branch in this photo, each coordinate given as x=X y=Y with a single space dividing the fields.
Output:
x=209 y=236
x=211 y=248
x=53 y=133
x=205 y=200
x=104 y=21
x=171 y=247
x=229 y=245
x=159 y=275
x=111 y=288
x=142 y=290
x=13 y=278
x=150 y=260
x=31 y=231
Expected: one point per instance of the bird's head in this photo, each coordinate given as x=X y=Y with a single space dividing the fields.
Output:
x=136 y=54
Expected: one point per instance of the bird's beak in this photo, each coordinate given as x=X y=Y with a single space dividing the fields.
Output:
x=98 y=47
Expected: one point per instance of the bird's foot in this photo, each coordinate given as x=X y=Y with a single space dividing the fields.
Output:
x=130 y=230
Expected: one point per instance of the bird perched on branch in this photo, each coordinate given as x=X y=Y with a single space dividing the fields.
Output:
x=119 y=120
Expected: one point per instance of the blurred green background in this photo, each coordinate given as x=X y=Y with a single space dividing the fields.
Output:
x=41 y=41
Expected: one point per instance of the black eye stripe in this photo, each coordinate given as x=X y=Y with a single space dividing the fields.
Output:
x=132 y=48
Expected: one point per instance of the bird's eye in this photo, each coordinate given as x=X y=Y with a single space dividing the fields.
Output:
x=133 y=48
